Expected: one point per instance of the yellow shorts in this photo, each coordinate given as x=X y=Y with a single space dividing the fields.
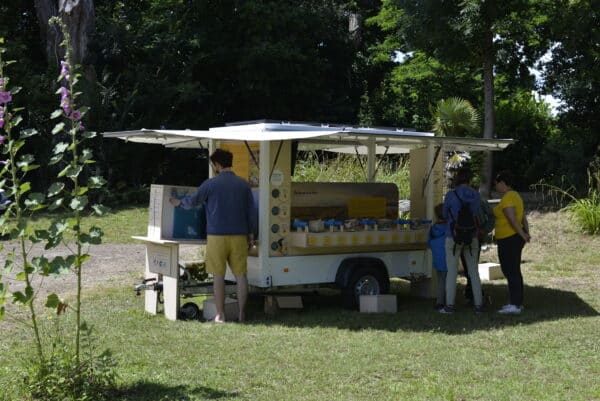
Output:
x=227 y=249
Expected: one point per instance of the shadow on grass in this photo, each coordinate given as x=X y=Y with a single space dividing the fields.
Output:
x=416 y=314
x=148 y=391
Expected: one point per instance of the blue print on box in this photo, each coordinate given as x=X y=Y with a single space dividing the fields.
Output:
x=189 y=224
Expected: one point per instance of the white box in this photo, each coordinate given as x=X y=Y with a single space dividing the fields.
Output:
x=378 y=303
x=490 y=271
x=231 y=309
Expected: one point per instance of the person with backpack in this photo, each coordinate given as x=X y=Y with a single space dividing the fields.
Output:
x=512 y=233
x=436 y=242
x=461 y=206
x=486 y=223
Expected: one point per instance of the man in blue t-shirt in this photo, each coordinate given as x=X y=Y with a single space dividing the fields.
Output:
x=230 y=224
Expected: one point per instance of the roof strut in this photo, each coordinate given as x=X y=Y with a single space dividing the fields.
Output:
x=251 y=153
x=426 y=179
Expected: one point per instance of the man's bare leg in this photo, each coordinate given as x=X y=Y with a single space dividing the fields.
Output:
x=242 y=295
x=219 y=290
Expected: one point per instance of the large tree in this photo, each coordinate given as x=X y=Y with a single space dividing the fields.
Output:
x=493 y=34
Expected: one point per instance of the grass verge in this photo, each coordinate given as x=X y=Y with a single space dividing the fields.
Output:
x=323 y=352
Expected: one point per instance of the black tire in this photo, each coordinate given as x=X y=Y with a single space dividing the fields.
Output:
x=364 y=281
x=189 y=311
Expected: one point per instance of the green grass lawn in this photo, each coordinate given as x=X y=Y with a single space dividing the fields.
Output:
x=323 y=352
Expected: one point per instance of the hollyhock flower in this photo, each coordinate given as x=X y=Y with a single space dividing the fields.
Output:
x=1 y=83
x=1 y=139
x=1 y=122
x=81 y=127
x=64 y=93
x=76 y=115
x=5 y=97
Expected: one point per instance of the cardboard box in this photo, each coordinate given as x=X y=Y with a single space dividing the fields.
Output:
x=490 y=271
x=378 y=303
x=231 y=309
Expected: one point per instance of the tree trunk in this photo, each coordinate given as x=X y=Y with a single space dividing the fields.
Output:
x=79 y=17
x=489 y=113
x=50 y=35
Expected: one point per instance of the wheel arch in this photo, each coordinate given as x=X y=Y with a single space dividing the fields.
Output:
x=349 y=265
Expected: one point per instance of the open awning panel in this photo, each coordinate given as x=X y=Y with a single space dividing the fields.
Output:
x=340 y=139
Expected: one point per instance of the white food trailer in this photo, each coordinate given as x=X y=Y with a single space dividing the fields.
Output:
x=364 y=244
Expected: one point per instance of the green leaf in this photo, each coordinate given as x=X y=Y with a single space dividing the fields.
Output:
x=96 y=182
x=52 y=301
x=60 y=147
x=35 y=201
x=21 y=276
x=101 y=210
x=71 y=171
x=16 y=120
x=23 y=298
x=40 y=264
x=25 y=187
x=58 y=128
x=26 y=133
x=80 y=191
x=60 y=265
x=55 y=204
x=86 y=154
x=55 y=159
x=31 y=167
x=88 y=135
x=79 y=203
x=55 y=189
x=56 y=113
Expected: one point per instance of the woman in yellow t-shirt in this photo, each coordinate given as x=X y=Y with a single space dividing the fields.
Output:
x=511 y=232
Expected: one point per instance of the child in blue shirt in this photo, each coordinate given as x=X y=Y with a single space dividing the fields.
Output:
x=436 y=241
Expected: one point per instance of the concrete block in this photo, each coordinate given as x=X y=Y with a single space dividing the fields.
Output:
x=490 y=271
x=289 y=302
x=209 y=310
x=273 y=303
x=378 y=303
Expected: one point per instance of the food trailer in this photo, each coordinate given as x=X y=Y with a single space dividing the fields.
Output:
x=343 y=235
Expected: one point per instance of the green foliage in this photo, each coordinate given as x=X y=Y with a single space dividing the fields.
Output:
x=583 y=211
x=586 y=213
x=62 y=374
x=317 y=167
x=64 y=378
x=455 y=117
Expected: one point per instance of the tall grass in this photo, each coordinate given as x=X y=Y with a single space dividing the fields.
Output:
x=352 y=168
x=583 y=211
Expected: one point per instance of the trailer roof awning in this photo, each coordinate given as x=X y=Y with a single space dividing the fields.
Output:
x=340 y=139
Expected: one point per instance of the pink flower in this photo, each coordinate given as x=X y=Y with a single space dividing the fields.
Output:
x=1 y=122
x=81 y=127
x=64 y=93
x=76 y=115
x=64 y=71
x=66 y=106
x=5 y=97
x=1 y=83
x=1 y=138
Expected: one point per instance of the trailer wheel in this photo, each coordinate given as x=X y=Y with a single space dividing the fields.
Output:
x=364 y=281
x=189 y=311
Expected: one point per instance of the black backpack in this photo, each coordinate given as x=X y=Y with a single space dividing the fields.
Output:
x=464 y=226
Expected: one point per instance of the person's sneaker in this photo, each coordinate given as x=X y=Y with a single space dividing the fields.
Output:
x=448 y=310
x=479 y=309
x=510 y=310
